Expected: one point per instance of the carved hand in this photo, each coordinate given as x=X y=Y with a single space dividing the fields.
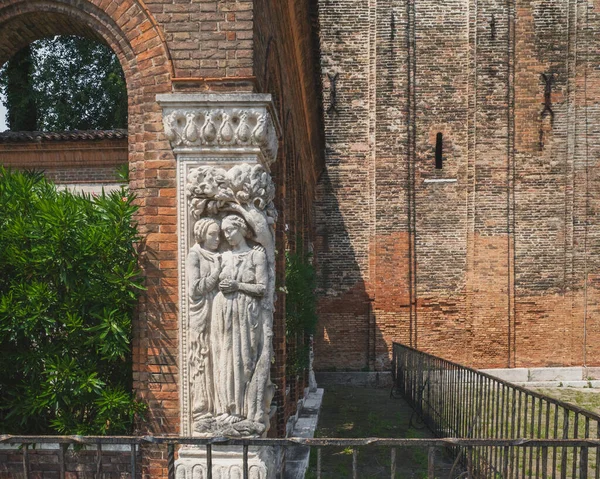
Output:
x=228 y=286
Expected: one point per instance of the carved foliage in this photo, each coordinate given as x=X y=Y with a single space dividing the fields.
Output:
x=211 y=190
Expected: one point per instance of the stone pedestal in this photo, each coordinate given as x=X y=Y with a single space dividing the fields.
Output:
x=227 y=463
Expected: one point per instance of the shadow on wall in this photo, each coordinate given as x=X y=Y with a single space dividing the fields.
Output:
x=347 y=336
x=159 y=350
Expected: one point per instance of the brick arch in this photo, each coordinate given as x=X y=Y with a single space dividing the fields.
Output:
x=128 y=29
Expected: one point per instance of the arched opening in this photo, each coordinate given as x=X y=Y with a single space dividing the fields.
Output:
x=45 y=103
x=64 y=83
x=46 y=37
x=64 y=112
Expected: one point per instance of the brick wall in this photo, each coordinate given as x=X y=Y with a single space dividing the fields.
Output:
x=491 y=260
x=44 y=463
x=76 y=161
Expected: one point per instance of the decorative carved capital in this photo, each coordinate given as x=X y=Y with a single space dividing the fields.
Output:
x=228 y=123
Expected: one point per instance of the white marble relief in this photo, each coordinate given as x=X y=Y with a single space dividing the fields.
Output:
x=230 y=277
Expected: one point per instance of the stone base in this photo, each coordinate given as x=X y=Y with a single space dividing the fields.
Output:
x=227 y=463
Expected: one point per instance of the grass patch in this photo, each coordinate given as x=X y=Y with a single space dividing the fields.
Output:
x=350 y=412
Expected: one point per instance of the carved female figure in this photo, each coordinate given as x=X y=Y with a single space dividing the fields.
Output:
x=237 y=334
x=203 y=267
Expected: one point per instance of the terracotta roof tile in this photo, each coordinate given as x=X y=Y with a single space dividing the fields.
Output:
x=75 y=135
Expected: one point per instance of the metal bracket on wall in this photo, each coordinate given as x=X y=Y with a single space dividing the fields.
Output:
x=548 y=80
x=332 y=92
x=493 y=27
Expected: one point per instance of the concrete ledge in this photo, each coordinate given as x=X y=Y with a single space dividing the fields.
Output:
x=517 y=375
x=594 y=384
x=297 y=457
x=577 y=377
x=54 y=446
x=381 y=379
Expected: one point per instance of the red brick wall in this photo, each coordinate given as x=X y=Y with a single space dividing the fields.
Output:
x=44 y=464
x=68 y=161
x=498 y=268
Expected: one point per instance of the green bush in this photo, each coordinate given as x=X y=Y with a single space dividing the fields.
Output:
x=300 y=308
x=69 y=281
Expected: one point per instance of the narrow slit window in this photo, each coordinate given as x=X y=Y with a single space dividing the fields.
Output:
x=439 y=148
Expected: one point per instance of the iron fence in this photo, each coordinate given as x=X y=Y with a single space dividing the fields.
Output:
x=457 y=401
x=170 y=444
x=492 y=429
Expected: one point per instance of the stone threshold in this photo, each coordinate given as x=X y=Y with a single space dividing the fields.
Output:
x=370 y=379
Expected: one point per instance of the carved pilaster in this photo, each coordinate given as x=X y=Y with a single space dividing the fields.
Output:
x=225 y=145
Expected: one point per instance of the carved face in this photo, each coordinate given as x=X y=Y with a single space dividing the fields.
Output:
x=233 y=234
x=211 y=239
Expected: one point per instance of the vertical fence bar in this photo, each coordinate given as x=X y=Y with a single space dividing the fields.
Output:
x=472 y=400
x=575 y=435
x=431 y=463
x=488 y=421
x=512 y=430
x=563 y=458
x=393 y=463
x=462 y=399
x=319 y=463
x=546 y=436
x=496 y=450
x=555 y=435
x=444 y=399
x=245 y=459
x=518 y=433
x=171 y=460
x=583 y=460
x=525 y=416
x=597 y=451
x=133 y=462
x=209 y=468
x=61 y=461
x=98 y=460
x=532 y=434
x=585 y=451
x=544 y=462
x=26 y=461
x=281 y=456
x=538 y=435
x=505 y=466
x=502 y=420
x=354 y=463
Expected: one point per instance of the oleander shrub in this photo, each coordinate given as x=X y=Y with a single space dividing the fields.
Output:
x=69 y=282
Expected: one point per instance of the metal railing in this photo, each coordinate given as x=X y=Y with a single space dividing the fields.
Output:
x=471 y=446
x=493 y=429
x=457 y=401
